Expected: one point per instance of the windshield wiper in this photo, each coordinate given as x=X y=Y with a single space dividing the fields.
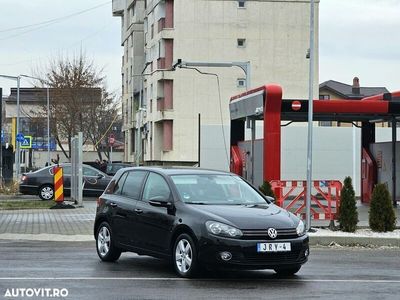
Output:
x=194 y=202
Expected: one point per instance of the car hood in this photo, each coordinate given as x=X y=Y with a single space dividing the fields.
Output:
x=250 y=216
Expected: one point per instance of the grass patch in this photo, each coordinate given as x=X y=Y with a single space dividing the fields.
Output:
x=25 y=204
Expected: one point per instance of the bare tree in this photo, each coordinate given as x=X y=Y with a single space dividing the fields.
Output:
x=79 y=101
x=100 y=123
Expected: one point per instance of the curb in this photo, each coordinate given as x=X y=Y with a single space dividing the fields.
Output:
x=354 y=241
x=47 y=237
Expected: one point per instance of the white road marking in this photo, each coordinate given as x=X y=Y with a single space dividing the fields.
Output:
x=205 y=279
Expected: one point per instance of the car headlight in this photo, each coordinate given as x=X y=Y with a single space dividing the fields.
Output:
x=300 y=229
x=221 y=229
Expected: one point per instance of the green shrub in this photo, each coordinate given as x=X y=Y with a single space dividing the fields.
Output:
x=348 y=215
x=381 y=212
x=266 y=189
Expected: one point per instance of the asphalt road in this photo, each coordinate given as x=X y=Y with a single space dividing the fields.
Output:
x=346 y=273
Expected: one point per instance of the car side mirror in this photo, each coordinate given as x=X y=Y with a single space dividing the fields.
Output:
x=100 y=176
x=159 y=201
x=271 y=199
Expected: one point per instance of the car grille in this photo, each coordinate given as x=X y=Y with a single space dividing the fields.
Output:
x=262 y=234
x=274 y=257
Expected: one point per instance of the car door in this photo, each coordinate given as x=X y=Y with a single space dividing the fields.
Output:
x=66 y=178
x=122 y=204
x=154 y=224
x=93 y=183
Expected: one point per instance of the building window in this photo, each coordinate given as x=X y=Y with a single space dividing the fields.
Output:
x=324 y=97
x=167 y=135
x=241 y=43
x=241 y=82
x=242 y=3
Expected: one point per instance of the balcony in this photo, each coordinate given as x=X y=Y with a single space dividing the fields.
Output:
x=160 y=104
x=118 y=7
x=161 y=25
x=161 y=63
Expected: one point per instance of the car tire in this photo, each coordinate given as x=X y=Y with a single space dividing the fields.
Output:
x=287 y=271
x=46 y=192
x=105 y=245
x=184 y=256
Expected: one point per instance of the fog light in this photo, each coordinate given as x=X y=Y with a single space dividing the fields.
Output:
x=226 y=255
x=306 y=253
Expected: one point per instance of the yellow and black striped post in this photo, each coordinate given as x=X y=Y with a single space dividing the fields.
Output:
x=58 y=184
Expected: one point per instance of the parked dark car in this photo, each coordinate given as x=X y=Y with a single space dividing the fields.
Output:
x=41 y=182
x=110 y=168
x=197 y=218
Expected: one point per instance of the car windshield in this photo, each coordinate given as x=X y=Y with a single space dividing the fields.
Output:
x=216 y=189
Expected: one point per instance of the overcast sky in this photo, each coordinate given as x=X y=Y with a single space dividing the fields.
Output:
x=357 y=38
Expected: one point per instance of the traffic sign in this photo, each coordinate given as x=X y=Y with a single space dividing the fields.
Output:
x=27 y=142
x=296 y=105
x=111 y=139
x=20 y=137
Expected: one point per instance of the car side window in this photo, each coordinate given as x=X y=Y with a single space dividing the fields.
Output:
x=89 y=172
x=133 y=184
x=156 y=188
x=66 y=170
x=118 y=186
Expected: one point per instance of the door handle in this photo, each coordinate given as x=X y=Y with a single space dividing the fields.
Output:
x=138 y=211
x=112 y=204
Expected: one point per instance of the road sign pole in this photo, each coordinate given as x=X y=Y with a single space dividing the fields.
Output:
x=111 y=154
x=17 y=130
x=310 y=120
x=111 y=141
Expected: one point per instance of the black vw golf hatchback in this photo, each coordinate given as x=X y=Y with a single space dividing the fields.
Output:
x=197 y=218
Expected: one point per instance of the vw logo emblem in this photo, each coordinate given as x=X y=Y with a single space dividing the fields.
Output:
x=272 y=233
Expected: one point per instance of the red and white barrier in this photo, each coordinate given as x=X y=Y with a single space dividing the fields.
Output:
x=325 y=197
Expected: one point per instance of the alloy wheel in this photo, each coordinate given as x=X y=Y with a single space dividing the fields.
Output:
x=47 y=193
x=103 y=241
x=183 y=256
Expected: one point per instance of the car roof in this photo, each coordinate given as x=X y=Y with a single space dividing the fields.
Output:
x=180 y=170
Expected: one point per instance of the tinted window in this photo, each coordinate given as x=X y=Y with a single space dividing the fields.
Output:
x=66 y=170
x=120 y=183
x=90 y=172
x=156 y=188
x=133 y=184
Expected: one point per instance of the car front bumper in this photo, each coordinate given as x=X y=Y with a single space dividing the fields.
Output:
x=244 y=253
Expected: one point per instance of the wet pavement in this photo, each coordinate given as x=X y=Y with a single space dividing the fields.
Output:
x=348 y=273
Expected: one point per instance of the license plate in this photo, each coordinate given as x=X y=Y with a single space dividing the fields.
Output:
x=273 y=247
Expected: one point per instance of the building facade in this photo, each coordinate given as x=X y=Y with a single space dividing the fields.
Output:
x=184 y=110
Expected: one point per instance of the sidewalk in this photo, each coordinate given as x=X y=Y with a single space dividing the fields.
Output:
x=78 y=221
x=77 y=225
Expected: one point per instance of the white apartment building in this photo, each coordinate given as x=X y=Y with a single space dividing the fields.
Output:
x=185 y=113
x=132 y=41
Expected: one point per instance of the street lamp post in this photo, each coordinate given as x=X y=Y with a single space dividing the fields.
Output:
x=16 y=149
